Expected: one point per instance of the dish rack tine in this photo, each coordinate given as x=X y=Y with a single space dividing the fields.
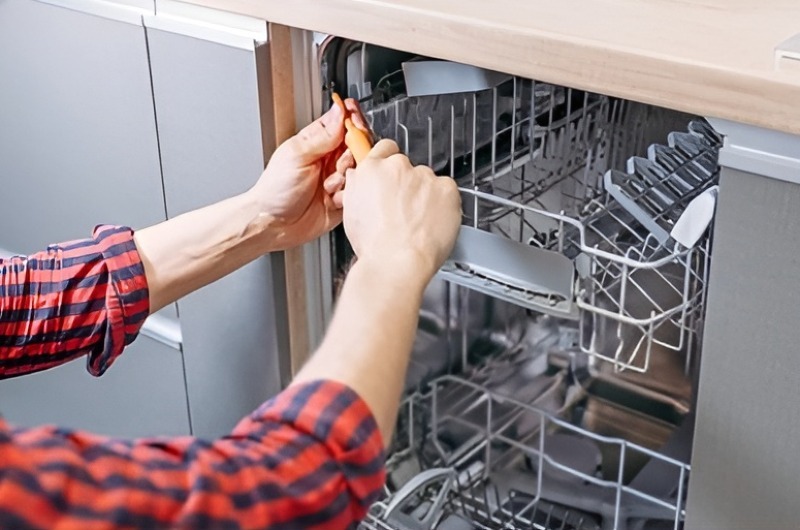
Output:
x=550 y=516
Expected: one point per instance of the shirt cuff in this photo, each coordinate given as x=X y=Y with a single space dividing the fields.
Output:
x=338 y=418
x=127 y=296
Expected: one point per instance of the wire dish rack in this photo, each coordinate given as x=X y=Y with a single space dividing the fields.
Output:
x=553 y=173
x=482 y=460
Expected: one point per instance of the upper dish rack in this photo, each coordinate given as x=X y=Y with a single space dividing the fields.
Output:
x=584 y=225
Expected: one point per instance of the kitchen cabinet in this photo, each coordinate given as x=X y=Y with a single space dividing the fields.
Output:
x=112 y=113
x=79 y=147
x=78 y=140
x=213 y=146
x=733 y=62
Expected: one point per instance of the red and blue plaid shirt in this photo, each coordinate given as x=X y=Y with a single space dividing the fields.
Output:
x=312 y=457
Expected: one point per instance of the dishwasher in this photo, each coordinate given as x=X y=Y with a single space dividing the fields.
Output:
x=553 y=377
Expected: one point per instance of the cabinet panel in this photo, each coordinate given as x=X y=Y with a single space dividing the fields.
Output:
x=745 y=472
x=212 y=145
x=78 y=147
x=140 y=395
x=78 y=143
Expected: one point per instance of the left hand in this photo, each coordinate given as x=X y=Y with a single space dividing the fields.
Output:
x=301 y=188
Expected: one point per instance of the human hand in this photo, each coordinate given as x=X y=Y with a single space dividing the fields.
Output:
x=301 y=188
x=402 y=216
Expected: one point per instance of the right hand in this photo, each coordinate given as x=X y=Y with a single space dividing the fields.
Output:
x=401 y=216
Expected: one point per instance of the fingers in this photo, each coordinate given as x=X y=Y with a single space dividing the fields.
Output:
x=335 y=218
x=340 y=196
x=453 y=193
x=358 y=118
x=321 y=136
x=384 y=152
x=337 y=100
x=449 y=184
x=325 y=135
x=338 y=199
x=333 y=213
x=333 y=183
x=345 y=162
x=384 y=149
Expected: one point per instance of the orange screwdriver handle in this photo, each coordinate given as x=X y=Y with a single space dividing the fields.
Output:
x=355 y=139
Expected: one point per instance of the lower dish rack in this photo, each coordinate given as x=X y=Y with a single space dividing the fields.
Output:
x=472 y=458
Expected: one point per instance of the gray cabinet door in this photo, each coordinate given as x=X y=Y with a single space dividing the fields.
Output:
x=78 y=143
x=213 y=146
x=78 y=147
x=142 y=394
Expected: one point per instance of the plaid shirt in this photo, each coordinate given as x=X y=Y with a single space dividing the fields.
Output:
x=312 y=457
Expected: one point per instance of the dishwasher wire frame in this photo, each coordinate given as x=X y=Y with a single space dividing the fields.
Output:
x=472 y=494
x=530 y=160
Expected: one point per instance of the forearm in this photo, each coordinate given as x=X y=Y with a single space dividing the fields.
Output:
x=291 y=203
x=201 y=246
x=368 y=344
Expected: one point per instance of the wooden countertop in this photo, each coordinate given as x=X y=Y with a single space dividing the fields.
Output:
x=709 y=57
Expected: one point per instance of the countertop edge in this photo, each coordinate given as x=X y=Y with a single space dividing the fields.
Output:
x=771 y=101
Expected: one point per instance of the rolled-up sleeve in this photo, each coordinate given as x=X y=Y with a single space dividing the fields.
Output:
x=337 y=467
x=310 y=458
x=86 y=297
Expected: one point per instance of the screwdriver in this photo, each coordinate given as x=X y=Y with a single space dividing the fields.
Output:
x=355 y=139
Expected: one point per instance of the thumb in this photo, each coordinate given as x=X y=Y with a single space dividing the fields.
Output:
x=321 y=136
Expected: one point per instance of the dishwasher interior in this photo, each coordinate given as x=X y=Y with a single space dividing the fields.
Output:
x=553 y=376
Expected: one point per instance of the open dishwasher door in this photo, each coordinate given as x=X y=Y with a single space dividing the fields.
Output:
x=552 y=380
